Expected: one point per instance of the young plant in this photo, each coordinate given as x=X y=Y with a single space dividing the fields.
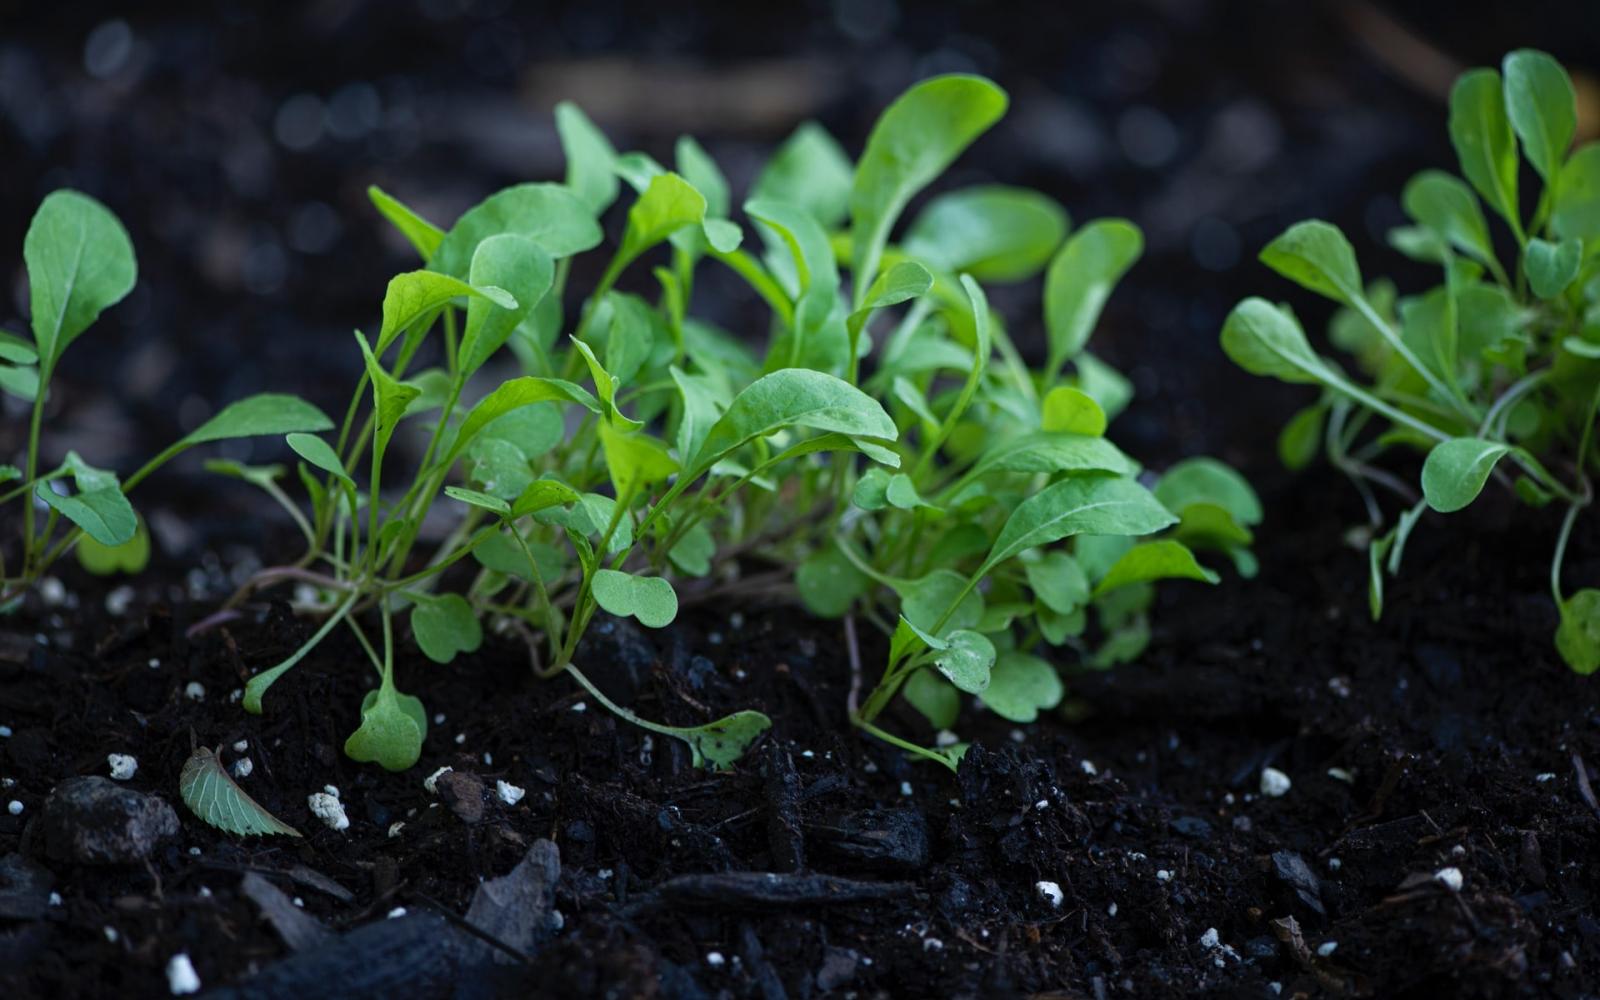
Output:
x=1493 y=373
x=80 y=263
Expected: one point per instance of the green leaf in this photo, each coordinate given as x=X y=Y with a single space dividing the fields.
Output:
x=1315 y=255
x=266 y=413
x=872 y=490
x=828 y=582
x=1108 y=386
x=793 y=397
x=444 y=626
x=591 y=159
x=1058 y=581
x=723 y=742
x=416 y=295
x=966 y=660
x=905 y=281
x=803 y=235
x=1072 y=411
x=1446 y=205
x=319 y=453
x=1542 y=108
x=1020 y=685
x=21 y=382
x=924 y=601
x=901 y=492
x=1096 y=506
x=692 y=553
x=392 y=728
x=1551 y=267
x=211 y=794
x=1455 y=471
x=548 y=214
x=1160 y=560
x=1265 y=339
x=98 y=507
x=80 y=263
x=1301 y=437
x=511 y=395
x=1206 y=480
x=478 y=498
x=525 y=272
x=809 y=170
x=1481 y=134
x=992 y=232
x=634 y=460
x=1576 y=214
x=390 y=397
x=936 y=698
x=1051 y=452
x=130 y=557
x=543 y=494
x=700 y=170
x=650 y=599
x=1578 y=635
x=16 y=350
x=915 y=139
x=419 y=232
x=667 y=205
x=1079 y=281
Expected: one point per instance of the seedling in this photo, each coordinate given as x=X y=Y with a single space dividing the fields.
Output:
x=1495 y=373
x=80 y=262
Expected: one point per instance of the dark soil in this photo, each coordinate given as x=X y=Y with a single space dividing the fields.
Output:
x=1462 y=742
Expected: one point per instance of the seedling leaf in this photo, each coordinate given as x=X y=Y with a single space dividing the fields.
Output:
x=1455 y=471
x=80 y=263
x=444 y=626
x=650 y=599
x=1079 y=281
x=1020 y=685
x=211 y=794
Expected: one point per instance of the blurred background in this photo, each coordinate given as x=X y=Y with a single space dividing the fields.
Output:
x=236 y=141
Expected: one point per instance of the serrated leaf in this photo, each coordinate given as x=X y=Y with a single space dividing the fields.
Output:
x=213 y=796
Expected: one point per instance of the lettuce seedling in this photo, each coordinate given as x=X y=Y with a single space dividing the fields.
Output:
x=1492 y=374
x=80 y=263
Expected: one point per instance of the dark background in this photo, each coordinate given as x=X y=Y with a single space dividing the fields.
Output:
x=236 y=142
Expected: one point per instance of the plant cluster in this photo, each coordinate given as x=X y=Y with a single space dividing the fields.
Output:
x=1495 y=372
x=80 y=263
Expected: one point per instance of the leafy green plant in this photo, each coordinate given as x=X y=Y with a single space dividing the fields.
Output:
x=1492 y=374
x=80 y=262
x=643 y=454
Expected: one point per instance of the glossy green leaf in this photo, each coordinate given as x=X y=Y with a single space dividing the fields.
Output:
x=1542 y=108
x=1058 y=581
x=1097 y=505
x=1481 y=133
x=1578 y=635
x=810 y=252
x=925 y=601
x=1576 y=214
x=966 y=660
x=809 y=170
x=444 y=626
x=1080 y=280
x=392 y=729
x=1551 y=267
x=511 y=395
x=793 y=397
x=591 y=159
x=263 y=414
x=650 y=599
x=423 y=235
x=634 y=460
x=80 y=263
x=319 y=453
x=525 y=272
x=1265 y=339
x=668 y=204
x=914 y=140
x=992 y=232
x=1159 y=560
x=1316 y=255
x=1072 y=411
x=1301 y=437
x=98 y=506
x=543 y=494
x=212 y=795
x=417 y=295
x=905 y=281
x=390 y=397
x=1446 y=205
x=549 y=214
x=1051 y=452
x=1206 y=480
x=1456 y=470
x=1020 y=685
x=901 y=492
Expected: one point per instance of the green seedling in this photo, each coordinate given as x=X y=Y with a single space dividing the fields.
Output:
x=1494 y=374
x=80 y=263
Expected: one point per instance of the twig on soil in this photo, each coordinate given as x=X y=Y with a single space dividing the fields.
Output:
x=1584 y=788
x=854 y=649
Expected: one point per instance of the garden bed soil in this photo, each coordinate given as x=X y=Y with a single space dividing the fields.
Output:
x=1448 y=736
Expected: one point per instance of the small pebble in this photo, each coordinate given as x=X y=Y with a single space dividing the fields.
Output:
x=52 y=591
x=461 y=738
x=110 y=933
x=1274 y=783
x=55 y=899
x=194 y=852
x=1276 y=988
x=905 y=789
x=195 y=691
x=14 y=807
x=1450 y=878
x=1051 y=892
x=1088 y=767
x=241 y=746
x=329 y=809
x=488 y=759
x=932 y=944
x=299 y=902
x=205 y=892
x=509 y=794
x=181 y=977
x=1327 y=948
x=1210 y=939
x=396 y=827
x=117 y=604
x=243 y=767
x=1018 y=736
x=438 y=718
x=123 y=766
x=1163 y=875
x=1111 y=910
x=155 y=663
x=398 y=911
x=1042 y=804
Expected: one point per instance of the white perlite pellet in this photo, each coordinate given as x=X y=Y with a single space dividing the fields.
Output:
x=243 y=767
x=181 y=977
x=123 y=766
x=1450 y=878
x=14 y=807
x=431 y=782
x=509 y=794
x=195 y=691
x=1274 y=783
x=329 y=809
x=1050 y=892
x=1327 y=948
